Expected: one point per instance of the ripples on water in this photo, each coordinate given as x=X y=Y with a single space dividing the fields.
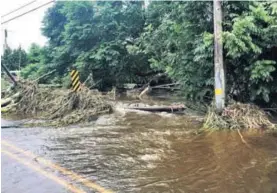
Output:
x=146 y=152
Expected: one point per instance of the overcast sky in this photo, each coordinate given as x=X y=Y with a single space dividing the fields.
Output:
x=26 y=29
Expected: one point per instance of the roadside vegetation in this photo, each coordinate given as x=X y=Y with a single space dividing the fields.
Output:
x=115 y=43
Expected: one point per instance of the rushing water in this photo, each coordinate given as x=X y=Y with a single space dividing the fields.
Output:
x=144 y=152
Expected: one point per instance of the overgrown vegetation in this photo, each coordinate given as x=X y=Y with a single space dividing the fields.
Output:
x=126 y=42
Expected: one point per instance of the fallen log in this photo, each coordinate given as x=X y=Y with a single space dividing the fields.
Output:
x=44 y=75
x=7 y=101
x=166 y=85
x=145 y=91
x=50 y=85
x=8 y=107
x=169 y=109
x=9 y=126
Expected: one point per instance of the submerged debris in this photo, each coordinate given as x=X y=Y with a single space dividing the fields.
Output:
x=238 y=116
x=59 y=105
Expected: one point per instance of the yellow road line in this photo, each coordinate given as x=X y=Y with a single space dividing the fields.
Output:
x=46 y=174
x=71 y=174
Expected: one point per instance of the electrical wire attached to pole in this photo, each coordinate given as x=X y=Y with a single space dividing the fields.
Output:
x=18 y=9
x=27 y=12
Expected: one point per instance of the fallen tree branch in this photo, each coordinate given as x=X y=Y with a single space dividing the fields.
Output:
x=7 y=101
x=164 y=85
x=94 y=84
x=144 y=92
x=8 y=107
x=169 y=109
x=50 y=85
x=89 y=77
x=242 y=139
x=36 y=80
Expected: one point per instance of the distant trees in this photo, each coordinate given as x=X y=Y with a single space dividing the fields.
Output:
x=14 y=58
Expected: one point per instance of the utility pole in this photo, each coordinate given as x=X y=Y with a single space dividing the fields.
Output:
x=3 y=65
x=218 y=57
x=19 y=64
x=5 y=39
x=8 y=73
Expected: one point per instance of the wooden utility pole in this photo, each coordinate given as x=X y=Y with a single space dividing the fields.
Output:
x=8 y=73
x=218 y=58
x=19 y=62
x=5 y=39
x=2 y=65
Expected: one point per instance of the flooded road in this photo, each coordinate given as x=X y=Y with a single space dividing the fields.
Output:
x=144 y=152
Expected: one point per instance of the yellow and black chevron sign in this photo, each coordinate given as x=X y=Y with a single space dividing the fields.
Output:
x=75 y=80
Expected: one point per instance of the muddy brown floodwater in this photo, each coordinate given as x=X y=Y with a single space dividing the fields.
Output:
x=144 y=152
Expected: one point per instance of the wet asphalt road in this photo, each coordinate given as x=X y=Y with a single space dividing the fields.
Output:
x=17 y=177
x=26 y=168
x=21 y=173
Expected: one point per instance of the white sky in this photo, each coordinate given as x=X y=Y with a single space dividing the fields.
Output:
x=26 y=29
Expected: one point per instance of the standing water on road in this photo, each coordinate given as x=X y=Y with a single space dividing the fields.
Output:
x=145 y=152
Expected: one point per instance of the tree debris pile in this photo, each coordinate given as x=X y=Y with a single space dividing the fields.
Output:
x=238 y=116
x=61 y=106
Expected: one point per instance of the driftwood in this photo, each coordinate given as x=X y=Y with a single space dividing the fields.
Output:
x=145 y=91
x=238 y=116
x=9 y=126
x=7 y=101
x=49 y=85
x=169 y=109
x=9 y=107
x=44 y=75
x=166 y=86
x=153 y=79
x=14 y=98
x=163 y=86
x=90 y=77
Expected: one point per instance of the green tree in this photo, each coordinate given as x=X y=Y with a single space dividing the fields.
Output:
x=175 y=43
x=121 y=41
x=94 y=36
x=14 y=59
x=34 y=53
x=180 y=42
x=251 y=49
x=39 y=63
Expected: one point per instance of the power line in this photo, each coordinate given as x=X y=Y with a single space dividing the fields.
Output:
x=18 y=8
x=27 y=12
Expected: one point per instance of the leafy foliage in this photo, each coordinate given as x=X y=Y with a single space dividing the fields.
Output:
x=37 y=59
x=180 y=42
x=177 y=44
x=14 y=59
x=119 y=42
x=251 y=50
x=93 y=36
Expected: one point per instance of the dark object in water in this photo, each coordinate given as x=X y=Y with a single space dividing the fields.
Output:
x=9 y=126
x=169 y=109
